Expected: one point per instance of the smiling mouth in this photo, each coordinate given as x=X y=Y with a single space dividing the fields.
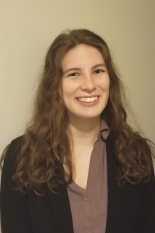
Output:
x=88 y=100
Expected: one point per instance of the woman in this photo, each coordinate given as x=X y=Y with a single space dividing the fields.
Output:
x=79 y=167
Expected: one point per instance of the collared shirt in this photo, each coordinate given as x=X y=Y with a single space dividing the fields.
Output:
x=89 y=206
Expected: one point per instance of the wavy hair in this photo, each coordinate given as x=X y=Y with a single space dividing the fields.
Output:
x=46 y=144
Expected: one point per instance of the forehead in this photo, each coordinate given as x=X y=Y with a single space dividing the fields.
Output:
x=82 y=55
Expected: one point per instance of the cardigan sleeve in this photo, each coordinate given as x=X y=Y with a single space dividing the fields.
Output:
x=149 y=198
x=14 y=206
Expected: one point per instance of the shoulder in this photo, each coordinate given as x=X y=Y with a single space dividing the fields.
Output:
x=14 y=146
x=10 y=156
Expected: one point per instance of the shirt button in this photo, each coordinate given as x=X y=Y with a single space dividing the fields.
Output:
x=86 y=199
x=87 y=219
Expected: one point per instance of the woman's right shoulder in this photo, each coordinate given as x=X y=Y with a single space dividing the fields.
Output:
x=11 y=152
x=15 y=144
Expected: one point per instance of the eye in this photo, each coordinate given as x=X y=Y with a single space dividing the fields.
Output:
x=73 y=74
x=98 y=71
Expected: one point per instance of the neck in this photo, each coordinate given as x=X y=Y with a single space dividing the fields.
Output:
x=84 y=131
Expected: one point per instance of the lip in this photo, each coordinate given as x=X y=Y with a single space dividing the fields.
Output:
x=87 y=96
x=88 y=103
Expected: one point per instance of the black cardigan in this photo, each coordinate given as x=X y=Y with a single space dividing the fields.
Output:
x=131 y=209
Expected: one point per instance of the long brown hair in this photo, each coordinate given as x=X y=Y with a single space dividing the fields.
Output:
x=46 y=142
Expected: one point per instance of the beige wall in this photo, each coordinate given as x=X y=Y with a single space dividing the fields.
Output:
x=29 y=26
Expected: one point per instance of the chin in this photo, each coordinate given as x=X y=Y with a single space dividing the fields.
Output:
x=89 y=116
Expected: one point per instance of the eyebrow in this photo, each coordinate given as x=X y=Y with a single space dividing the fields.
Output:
x=78 y=69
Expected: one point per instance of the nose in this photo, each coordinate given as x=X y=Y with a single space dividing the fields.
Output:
x=88 y=83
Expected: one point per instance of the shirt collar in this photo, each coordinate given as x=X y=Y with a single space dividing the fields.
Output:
x=104 y=130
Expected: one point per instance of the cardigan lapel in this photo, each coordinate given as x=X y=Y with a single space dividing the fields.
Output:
x=116 y=195
x=61 y=210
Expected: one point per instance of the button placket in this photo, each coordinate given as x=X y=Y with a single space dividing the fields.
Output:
x=86 y=199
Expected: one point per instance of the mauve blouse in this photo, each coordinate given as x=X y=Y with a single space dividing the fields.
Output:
x=89 y=206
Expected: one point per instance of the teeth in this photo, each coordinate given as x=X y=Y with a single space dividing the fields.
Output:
x=88 y=99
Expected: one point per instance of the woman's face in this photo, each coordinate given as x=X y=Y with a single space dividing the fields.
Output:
x=85 y=82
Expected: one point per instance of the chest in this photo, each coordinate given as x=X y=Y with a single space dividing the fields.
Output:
x=51 y=213
x=82 y=158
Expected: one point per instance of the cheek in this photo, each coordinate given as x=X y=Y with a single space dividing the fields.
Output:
x=69 y=87
x=66 y=92
x=105 y=84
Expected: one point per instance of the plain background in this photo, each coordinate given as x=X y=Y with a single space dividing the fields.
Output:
x=27 y=28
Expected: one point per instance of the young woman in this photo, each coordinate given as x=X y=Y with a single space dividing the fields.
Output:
x=79 y=166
